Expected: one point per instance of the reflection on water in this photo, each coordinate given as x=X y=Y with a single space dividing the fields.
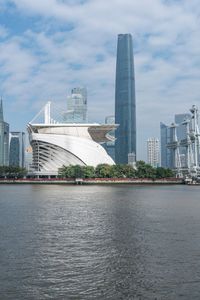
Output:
x=99 y=242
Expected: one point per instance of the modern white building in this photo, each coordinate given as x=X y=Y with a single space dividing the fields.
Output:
x=55 y=145
x=153 y=152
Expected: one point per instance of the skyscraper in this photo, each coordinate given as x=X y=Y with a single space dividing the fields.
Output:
x=165 y=153
x=166 y=137
x=181 y=129
x=125 y=108
x=17 y=149
x=153 y=151
x=76 y=106
x=4 y=139
x=182 y=134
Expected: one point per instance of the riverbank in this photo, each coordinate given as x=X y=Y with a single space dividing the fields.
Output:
x=85 y=181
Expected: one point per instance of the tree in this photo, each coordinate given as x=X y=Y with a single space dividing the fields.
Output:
x=164 y=173
x=103 y=171
x=88 y=172
x=12 y=172
x=145 y=170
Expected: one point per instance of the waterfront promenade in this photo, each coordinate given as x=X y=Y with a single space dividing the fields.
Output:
x=86 y=181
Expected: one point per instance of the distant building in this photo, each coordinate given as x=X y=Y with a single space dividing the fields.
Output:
x=76 y=106
x=17 y=149
x=165 y=153
x=132 y=160
x=4 y=139
x=153 y=151
x=125 y=106
x=166 y=137
x=28 y=158
x=110 y=146
x=181 y=134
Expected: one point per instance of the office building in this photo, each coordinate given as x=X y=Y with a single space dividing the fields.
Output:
x=181 y=129
x=76 y=106
x=125 y=106
x=182 y=134
x=166 y=137
x=4 y=139
x=28 y=158
x=153 y=151
x=17 y=149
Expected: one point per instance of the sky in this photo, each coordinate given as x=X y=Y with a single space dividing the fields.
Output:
x=47 y=47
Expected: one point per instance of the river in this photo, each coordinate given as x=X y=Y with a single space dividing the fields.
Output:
x=99 y=242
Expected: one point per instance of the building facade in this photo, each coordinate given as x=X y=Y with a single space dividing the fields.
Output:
x=166 y=137
x=28 y=158
x=17 y=149
x=56 y=145
x=125 y=106
x=153 y=152
x=4 y=139
x=166 y=155
x=76 y=106
x=182 y=134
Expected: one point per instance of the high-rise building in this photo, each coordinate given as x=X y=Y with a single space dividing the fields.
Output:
x=125 y=107
x=182 y=134
x=110 y=145
x=166 y=137
x=4 y=139
x=17 y=149
x=28 y=158
x=153 y=151
x=76 y=106
x=166 y=153
x=181 y=129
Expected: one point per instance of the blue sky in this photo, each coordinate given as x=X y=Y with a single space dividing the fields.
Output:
x=48 y=47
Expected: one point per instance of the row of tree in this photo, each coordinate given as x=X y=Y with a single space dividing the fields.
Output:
x=142 y=170
x=12 y=172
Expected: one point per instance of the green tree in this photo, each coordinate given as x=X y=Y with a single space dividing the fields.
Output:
x=88 y=172
x=145 y=170
x=12 y=172
x=103 y=171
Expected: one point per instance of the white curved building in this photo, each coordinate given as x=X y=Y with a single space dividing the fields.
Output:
x=55 y=145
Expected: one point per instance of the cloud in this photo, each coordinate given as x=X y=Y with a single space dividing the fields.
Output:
x=72 y=43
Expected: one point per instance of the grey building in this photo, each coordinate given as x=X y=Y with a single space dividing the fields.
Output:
x=181 y=134
x=125 y=106
x=166 y=136
x=76 y=106
x=110 y=146
x=17 y=149
x=4 y=139
x=181 y=129
x=166 y=155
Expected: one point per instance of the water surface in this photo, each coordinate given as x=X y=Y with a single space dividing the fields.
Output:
x=99 y=242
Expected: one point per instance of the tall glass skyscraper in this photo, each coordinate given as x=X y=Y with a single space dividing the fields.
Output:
x=125 y=108
x=17 y=149
x=76 y=106
x=4 y=139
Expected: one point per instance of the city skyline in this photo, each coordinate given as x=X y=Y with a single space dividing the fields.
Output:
x=46 y=52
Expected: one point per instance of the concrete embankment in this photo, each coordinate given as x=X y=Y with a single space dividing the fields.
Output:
x=93 y=181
